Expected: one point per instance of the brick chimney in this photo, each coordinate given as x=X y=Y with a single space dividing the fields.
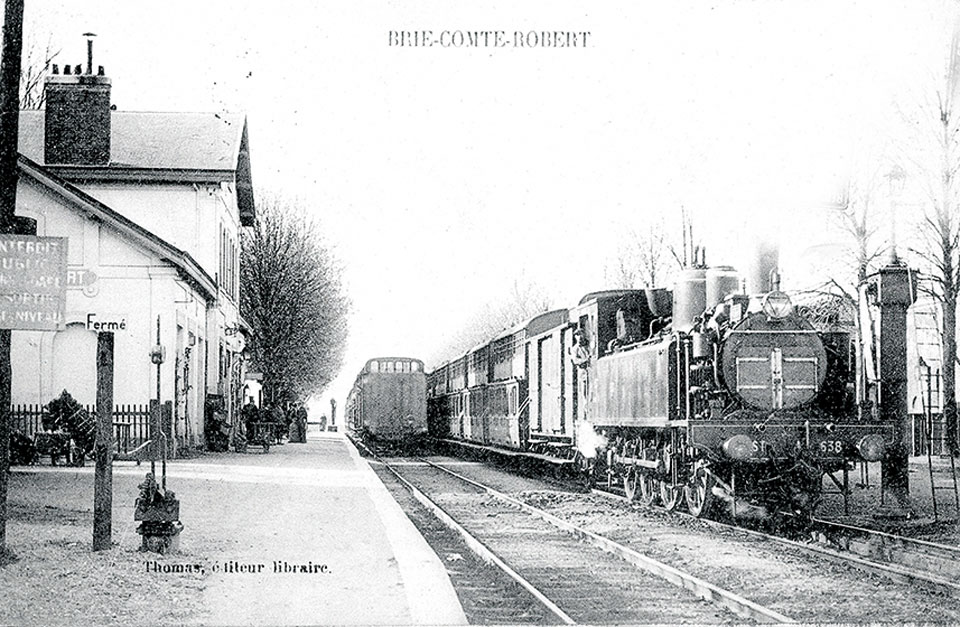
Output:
x=77 y=118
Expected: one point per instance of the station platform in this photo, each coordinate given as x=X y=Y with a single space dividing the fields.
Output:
x=320 y=503
x=305 y=534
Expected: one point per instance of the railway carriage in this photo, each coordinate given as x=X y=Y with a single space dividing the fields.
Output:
x=483 y=396
x=549 y=386
x=388 y=401
x=507 y=392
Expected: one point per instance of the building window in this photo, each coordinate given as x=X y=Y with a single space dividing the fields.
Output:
x=229 y=263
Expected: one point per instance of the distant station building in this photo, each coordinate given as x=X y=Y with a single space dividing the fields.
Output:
x=152 y=205
x=924 y=371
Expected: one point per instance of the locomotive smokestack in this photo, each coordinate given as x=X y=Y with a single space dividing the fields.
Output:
x=763 y=271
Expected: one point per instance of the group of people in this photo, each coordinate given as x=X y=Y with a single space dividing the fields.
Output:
x=287 y=420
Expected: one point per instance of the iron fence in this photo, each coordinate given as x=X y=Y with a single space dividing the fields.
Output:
x=131 y=423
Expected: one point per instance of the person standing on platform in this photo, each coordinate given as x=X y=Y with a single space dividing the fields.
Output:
x=279 y=419
x=300 y=419
x=250 y=414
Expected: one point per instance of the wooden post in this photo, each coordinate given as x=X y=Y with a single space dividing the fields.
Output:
x=10 y=112
x=5 y=378
x=9 y=131
x=103 y=480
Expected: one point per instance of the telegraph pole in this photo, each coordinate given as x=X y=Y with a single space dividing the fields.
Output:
x=9 y=131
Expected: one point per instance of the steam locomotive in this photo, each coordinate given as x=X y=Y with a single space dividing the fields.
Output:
x=691 y=397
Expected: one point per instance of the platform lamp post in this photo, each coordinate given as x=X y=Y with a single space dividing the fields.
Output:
x=896 y=179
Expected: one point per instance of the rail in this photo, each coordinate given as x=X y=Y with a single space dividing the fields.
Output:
x=479 y=547
x=887 y=568
x=740 y=606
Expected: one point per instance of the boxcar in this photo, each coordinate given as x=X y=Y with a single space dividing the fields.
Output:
x=388 y=400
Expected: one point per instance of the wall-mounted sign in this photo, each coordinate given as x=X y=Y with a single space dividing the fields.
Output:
x=115 y=323
x=33 y=282
x=83 y=279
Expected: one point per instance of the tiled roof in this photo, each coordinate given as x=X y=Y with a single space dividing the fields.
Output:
x=171 y=147
x=156 y=140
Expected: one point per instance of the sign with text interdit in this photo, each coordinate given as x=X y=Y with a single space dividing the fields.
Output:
x=33 y=282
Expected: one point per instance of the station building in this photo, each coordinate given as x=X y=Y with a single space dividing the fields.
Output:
x=152 y=205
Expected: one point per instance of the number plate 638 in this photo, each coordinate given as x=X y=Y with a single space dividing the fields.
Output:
x=831 y=446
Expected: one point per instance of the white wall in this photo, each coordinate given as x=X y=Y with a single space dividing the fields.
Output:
x=133 y=285
x=187 y=216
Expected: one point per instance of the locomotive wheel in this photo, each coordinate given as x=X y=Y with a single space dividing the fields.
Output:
x=630 y=484
x=699 y=492
x=649 y=492
x=671 y=496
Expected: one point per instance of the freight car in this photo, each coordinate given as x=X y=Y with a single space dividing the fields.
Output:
x=387 y=405
x=689 y=397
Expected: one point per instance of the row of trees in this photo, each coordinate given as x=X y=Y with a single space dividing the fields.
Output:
x=927 y=219
x=648 y=256
x=911 y=188
x=521 y=300
x=292 y=295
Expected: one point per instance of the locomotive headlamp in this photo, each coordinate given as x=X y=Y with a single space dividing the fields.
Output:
x=872 y=447
x=777 y=305
x=738 y=447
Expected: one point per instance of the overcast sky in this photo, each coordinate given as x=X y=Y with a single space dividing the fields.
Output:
x=440 y=174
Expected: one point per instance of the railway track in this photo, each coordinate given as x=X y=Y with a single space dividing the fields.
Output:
x=580 y=576
x=791 y=578
x=898 y=558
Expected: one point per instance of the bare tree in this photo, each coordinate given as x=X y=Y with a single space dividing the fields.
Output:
x=36 y=64
x=520 y=301
x=841 y=300
x=859 y=219
x=644 y=258
x=934 y=154
x=291 y=294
